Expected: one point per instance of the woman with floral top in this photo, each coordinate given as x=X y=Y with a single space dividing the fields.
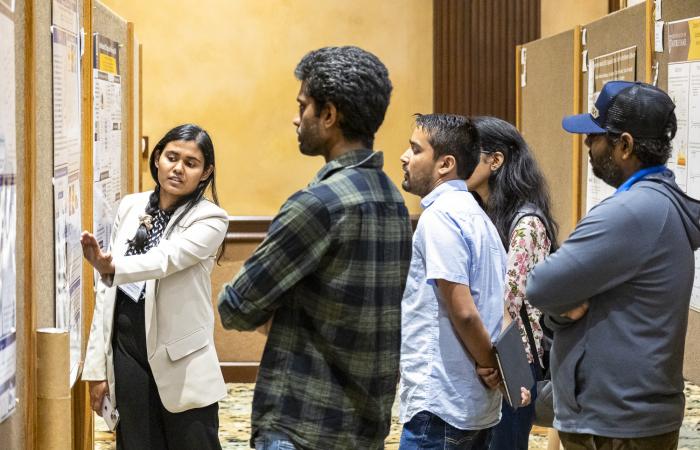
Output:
x=507 y=182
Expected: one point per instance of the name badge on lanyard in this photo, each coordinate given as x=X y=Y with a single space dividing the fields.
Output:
x=133 y=290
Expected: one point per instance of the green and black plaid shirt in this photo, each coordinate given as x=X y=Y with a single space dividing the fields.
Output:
x=331 y=270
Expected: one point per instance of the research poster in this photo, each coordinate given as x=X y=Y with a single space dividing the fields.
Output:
x=66 y=180
x=107 y=140
x=620 y=65
x=8 y=218
x=684 y=88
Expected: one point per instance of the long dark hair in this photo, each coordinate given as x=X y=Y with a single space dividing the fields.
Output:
x=517 y=182
x=189 y=133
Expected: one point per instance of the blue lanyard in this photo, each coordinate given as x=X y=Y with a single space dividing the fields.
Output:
x=639 y=175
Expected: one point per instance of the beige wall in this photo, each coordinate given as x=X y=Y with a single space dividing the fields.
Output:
x=228 y=66
x=562 y=15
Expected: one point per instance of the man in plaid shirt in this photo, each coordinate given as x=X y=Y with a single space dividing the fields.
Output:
x=330 y=273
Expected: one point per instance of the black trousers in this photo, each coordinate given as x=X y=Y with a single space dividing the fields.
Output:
x=144 y=423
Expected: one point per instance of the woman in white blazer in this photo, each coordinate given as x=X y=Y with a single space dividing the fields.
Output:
x=151 y=345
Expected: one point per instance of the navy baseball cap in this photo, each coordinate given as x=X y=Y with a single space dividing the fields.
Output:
x=639 y=109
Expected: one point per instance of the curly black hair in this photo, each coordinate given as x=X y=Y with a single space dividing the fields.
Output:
x=353 y=80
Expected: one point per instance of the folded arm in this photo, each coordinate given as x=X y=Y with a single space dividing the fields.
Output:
x=598 y=256
x=295 y=245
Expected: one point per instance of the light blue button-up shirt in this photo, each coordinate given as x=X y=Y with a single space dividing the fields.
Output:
x=454 y=241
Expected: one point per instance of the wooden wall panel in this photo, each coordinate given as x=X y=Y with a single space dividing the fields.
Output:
x=474 y=53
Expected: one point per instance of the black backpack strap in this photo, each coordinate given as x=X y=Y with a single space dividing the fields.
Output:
x=539 y=370
x=526 y=210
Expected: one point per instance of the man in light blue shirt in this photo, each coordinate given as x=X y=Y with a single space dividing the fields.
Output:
x=452 y=307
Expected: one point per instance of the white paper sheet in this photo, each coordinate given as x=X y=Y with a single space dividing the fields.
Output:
x=106 y=153
x=67 y=151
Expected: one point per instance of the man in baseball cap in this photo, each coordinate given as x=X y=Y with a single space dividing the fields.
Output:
x=617 y=291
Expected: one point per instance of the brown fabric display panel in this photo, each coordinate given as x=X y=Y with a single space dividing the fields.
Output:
x=546 y=98
x=671 y=11
x=474 y=54
x=617 y=31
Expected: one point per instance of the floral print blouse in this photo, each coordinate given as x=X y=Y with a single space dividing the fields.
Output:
x=529 y=245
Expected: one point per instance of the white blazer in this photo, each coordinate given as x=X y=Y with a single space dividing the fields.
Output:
x=178 y=310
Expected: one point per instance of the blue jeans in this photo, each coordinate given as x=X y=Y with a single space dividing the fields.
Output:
x=513 y=431
x=426 y=431
x=273 y=441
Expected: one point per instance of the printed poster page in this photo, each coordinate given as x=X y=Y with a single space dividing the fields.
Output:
x=68 y=262
x=67 y=148
x=620 y=65
x=107 y=101
x=8 y=218
x=75 y=269
x=693 y=130
x=64 y=14
x=679 y=91
x=684 y=89
x=60 y=190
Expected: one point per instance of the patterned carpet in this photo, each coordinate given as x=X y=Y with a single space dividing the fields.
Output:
x=234 y=430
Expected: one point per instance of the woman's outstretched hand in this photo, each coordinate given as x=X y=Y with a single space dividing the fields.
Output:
x=102 y=262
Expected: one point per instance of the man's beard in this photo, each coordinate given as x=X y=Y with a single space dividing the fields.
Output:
x=416 y=186
x=606 y=169
x=309 y=142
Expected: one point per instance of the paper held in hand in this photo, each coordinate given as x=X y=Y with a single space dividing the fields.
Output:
x=133 y=290
x=109 y=413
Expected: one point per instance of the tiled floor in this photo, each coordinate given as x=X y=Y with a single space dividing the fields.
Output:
x=234 y=415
